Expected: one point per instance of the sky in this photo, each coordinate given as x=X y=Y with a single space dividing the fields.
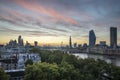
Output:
x=51 y=22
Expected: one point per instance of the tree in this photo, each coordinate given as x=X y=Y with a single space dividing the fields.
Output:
x=115 y=72
x=49 y=56
x=68 y=72
x=0 y=54
x=35 y=50
x=70 y=67
x=29 y=61
x=55 y=57
x=46 y=71
x=45 y=55
x=3 y=75
x=42 y=71
x=70 y=59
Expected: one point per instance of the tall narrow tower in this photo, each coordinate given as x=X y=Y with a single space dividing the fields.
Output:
x=70 y=43
x=113 y=36
x=20 y=41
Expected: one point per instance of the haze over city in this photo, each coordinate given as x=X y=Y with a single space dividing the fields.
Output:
x=53 y=21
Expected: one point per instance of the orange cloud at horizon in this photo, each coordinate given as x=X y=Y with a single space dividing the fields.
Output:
x=47 y=40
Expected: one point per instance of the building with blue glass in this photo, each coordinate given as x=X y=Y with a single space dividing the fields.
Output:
x=92 y=38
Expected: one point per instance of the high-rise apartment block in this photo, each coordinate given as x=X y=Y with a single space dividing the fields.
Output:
x=113 y=36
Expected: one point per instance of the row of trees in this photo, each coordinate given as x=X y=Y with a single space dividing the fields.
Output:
x=57 y=65
x=47 y=71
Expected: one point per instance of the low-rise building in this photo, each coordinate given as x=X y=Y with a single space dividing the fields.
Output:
x=14 y=63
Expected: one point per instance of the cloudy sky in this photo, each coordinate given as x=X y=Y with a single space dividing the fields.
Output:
x=53 y=21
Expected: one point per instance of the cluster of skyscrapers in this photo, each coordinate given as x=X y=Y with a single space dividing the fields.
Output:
x=113 y=37
x=19 y=43
x=92 y=38
x=14 y=56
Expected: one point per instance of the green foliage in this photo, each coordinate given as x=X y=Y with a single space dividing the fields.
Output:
x=71 y=59
x=68 y=72
x=35 y=50
x=46 y=71
x=115 y=72
x=49 y=56
x=3 y=75
x=70 y=67
x=0 y=54
x=56 y=57
x=45 y=55
x=29 y=62
x=42 y=71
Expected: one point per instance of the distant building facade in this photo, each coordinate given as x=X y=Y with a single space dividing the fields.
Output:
x=22 y=58
x=14 y=64
x=92 y=38
x=11 y=61
x=113 y=37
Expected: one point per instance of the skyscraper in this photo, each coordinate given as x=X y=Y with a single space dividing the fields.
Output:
x=35 y=43
x=70 y=43
x=92 y=38
x=113 y=36
x=20 y=41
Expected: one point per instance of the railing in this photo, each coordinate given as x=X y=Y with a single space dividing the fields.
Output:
x=14 y=70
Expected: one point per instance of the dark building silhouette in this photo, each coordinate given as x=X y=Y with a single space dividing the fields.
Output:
x=75 y=45
x=102 y=43
x=20 y=41
x=35 y=43
x=70 y=43
x=113 y=36
x=92 y=38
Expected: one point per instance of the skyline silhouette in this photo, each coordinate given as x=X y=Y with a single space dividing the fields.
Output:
x=53 y=21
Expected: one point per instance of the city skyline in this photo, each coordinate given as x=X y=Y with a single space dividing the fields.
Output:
x=53 y=21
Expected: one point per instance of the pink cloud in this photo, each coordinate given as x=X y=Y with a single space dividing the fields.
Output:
x=19 y=17
x=50 y=12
